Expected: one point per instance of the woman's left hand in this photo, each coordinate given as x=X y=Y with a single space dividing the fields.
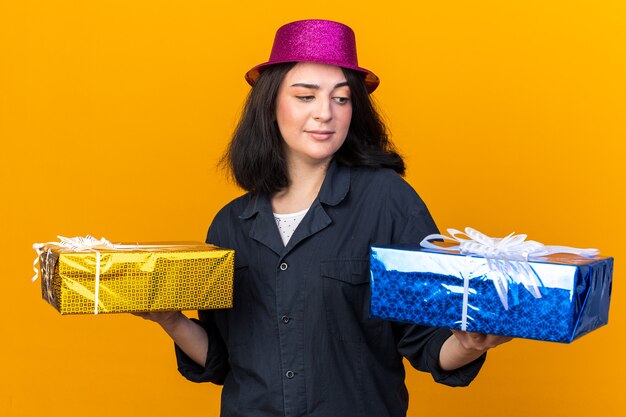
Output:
x=481 y=342
x=464 y=347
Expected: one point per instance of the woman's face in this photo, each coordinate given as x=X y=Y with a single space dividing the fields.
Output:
x=313 y=111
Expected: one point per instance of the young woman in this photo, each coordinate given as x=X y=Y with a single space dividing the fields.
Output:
x=323 y=185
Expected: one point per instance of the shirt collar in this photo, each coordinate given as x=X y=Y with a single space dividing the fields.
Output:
x=336 y=184
x=334 y=189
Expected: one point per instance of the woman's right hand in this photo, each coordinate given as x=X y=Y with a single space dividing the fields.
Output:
x=166 y=319
x=188 y=335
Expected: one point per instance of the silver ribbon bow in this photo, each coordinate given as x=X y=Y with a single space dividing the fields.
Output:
x=77 y=244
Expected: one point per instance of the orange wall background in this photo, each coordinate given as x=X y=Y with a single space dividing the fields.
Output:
x=113 y=114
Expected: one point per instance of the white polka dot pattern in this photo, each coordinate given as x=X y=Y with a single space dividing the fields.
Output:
x=288 y=223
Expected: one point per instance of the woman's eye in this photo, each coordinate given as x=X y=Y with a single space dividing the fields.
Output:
x=305 y=98
x=341 y=100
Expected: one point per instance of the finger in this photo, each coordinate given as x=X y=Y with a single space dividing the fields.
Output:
x=469 y=340
x=502 y=339
x=492 y=341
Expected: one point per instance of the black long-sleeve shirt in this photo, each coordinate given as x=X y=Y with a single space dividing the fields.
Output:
x=298 y=341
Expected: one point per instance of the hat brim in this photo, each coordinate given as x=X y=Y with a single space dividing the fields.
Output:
x=371 y=80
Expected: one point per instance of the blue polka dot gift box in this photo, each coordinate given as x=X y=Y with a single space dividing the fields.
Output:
x=505 y=286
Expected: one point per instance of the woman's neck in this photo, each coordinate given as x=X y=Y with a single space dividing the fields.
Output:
x=305 y=182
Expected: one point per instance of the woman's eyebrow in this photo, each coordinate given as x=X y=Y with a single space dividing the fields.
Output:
x=317 y=87
x=305 y=85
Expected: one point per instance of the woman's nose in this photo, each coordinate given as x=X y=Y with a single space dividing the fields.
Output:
x=322 y=111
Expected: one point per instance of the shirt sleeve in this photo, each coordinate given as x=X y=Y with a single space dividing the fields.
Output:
x=421 y=344
x=217 y=366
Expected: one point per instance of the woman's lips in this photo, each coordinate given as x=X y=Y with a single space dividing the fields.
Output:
x=320 y=134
